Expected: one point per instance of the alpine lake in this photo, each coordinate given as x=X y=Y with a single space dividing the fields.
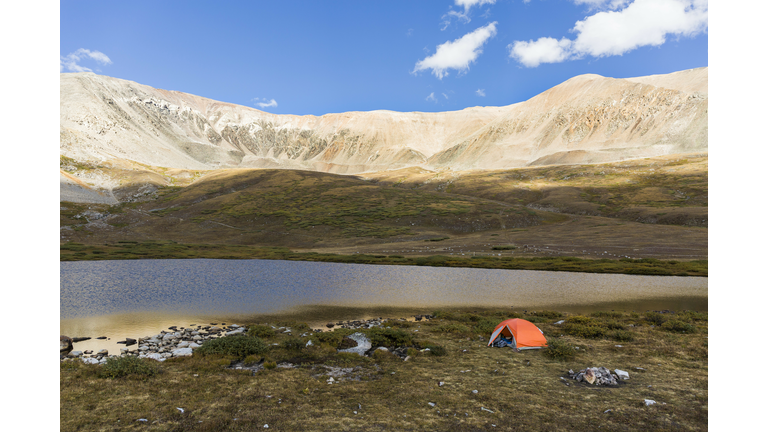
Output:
x=137 y=298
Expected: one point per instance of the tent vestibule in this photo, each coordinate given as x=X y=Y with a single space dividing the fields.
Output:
x=524 y=334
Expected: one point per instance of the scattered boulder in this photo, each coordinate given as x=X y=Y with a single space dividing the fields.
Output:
x=182 y=352
x=622 y=374
x=65 y=344
x=362 y=344
x=595 y=376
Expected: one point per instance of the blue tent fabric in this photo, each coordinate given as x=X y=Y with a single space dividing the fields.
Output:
x=502 y=342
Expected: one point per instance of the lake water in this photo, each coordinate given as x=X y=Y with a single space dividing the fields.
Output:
x=136 y=298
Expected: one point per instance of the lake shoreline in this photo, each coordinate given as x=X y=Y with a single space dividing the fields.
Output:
x=133 y=250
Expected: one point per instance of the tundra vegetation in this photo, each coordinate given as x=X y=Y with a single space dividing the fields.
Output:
x=284 y=382
x=644 y=216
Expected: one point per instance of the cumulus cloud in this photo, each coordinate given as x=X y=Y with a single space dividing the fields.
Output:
x=265 y=104
x=457 y=54
x=432 y=97
x=615 y=32
x=480 y=92
x=543 y=50
x=71 y=61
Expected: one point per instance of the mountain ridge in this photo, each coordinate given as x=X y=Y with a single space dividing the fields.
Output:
x=586 y=119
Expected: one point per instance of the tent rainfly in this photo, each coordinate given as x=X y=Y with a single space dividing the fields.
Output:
x=524 y=334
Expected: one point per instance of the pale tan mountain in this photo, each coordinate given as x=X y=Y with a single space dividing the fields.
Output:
x=104 y=118
x=587 y=119
x=592 y=119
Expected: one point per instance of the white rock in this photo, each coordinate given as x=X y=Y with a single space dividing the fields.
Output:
x=193 y=345
x=431 y=404
x=363 y=344
x=180 y=409
x=309 y=343
x=90 y=360
x=155 y=356
x=560 y=322
x=649 y=402
x=182 y=344
x=182 y=352
x=622 y=374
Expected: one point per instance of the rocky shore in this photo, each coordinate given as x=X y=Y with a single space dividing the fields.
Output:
x=179 y=341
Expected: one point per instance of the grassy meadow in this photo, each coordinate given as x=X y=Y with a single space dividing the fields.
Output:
x=647 y=216
x=666 y=355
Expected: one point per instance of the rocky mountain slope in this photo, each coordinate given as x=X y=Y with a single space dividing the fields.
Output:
x=588 y=118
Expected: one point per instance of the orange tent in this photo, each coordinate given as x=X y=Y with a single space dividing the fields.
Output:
x=523 y=333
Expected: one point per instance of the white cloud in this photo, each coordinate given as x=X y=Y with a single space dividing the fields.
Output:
x=602 y=4
x=457 y=54
x=480 y=92
x=464 y=16
x=543 y=50
x=445 y=95
x=266 y=104
x=71 y=60
x=461 y=16
x=607 y=33
x=467 y=4
x=432 y=97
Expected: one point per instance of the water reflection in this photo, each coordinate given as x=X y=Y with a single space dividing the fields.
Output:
x=141 y=297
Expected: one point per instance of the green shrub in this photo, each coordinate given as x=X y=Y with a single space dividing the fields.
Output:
x=332 y=338
x=547 y=314
x=692 y=316
x=270 y=365
x=238 y=346
x=347 y=358
x=614 y=325
x=537 y=319
x=578 y=319
x=655 y=318
x=559 y=350
x=435 y=350
x=400 y=324
x=621 y=336
x=677 y=326
x=292 y=344
x=602 y=314
x=583 y=331
x=261 y=331
x=389 y=337
x=504 y=247
x=486 y=326
x=295 y=326
x=452 y=328
x=117 y=367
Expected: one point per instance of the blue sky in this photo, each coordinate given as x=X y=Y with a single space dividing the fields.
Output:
x=322 y=57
